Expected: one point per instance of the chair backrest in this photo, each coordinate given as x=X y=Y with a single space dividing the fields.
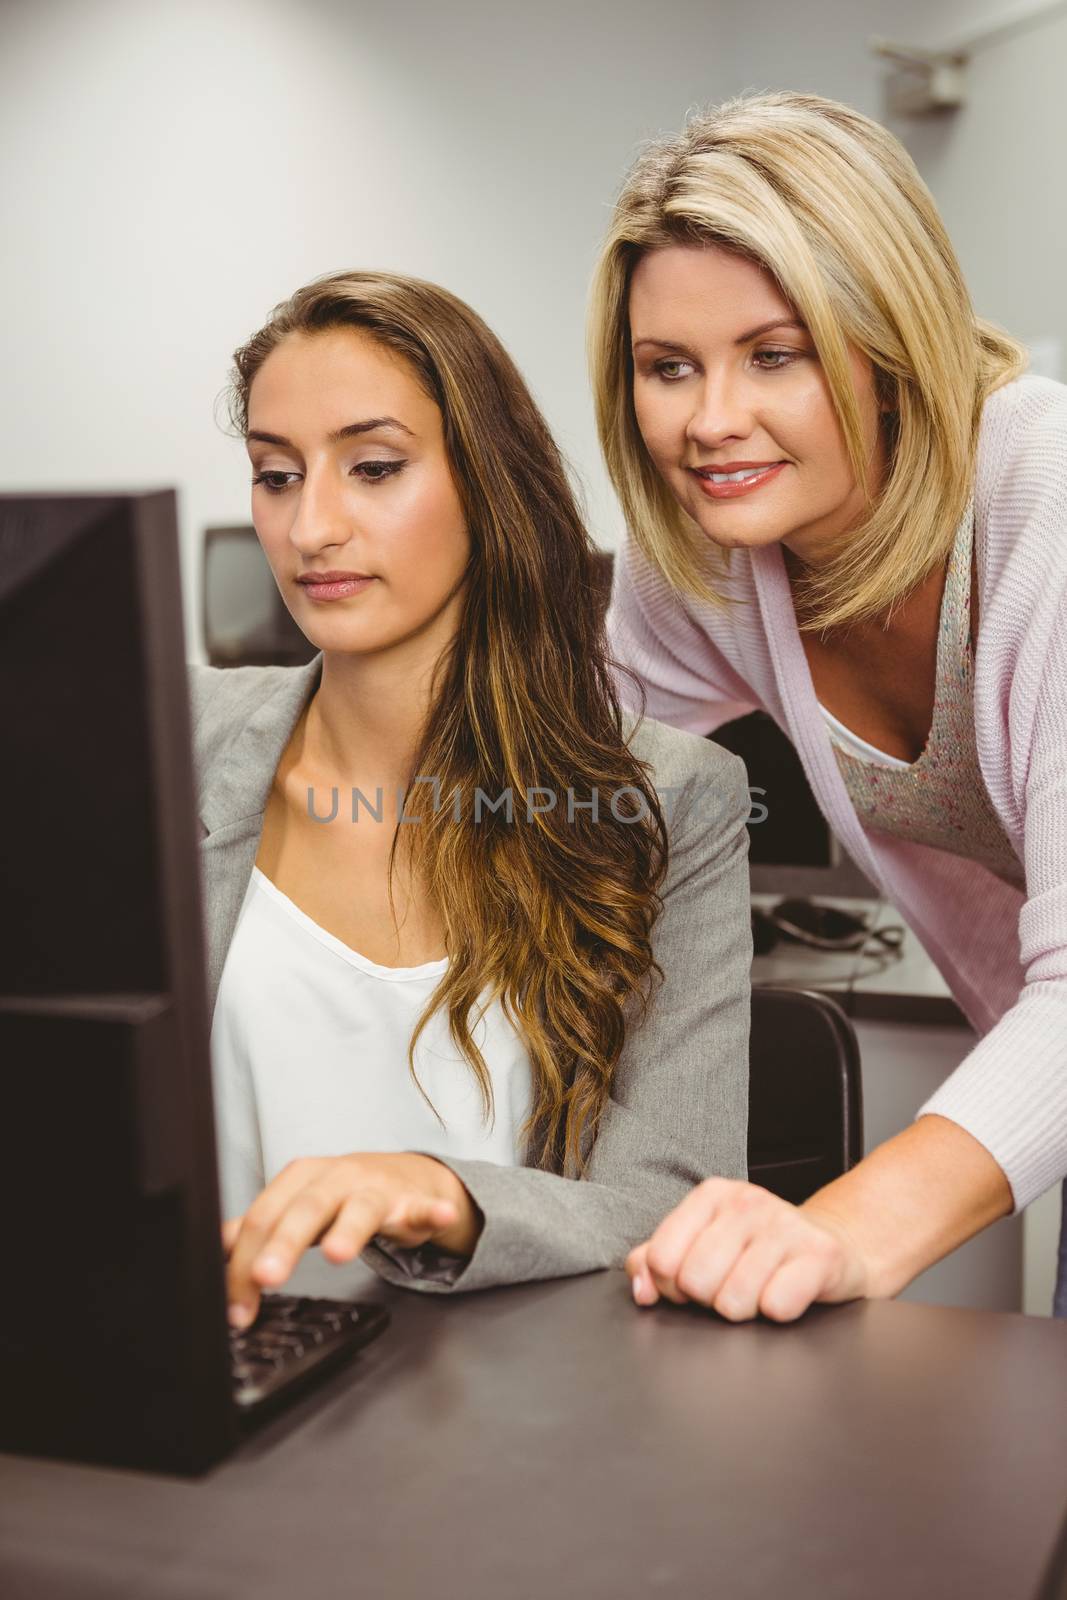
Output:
x=805 y=1116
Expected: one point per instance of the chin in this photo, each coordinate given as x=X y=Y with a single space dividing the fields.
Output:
x=753 y=537
x=332 y=635
x=346 y=642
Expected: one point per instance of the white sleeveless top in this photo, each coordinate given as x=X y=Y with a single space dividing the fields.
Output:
x=309 y=1045
x=859 y=747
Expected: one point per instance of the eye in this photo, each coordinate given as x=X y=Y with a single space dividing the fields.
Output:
x=668 y=368
x=779 y=359
x=376 y=471
x=274 y=482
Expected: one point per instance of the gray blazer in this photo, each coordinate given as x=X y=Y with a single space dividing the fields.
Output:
x=679 y=1101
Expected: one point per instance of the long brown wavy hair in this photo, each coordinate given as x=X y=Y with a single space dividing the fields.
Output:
x=551 y=912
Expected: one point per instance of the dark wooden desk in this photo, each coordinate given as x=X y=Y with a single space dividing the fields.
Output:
x=552 y=1442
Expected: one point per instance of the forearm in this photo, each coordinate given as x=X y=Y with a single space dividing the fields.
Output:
x=536 y=1225
x=915 y=1199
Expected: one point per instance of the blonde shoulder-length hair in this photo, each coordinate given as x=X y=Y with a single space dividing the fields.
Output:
x=832 y=206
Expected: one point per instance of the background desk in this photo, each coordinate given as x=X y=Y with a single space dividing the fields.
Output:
x=551 y=1442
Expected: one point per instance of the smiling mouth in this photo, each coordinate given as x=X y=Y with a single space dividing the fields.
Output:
x=742 y=475
x=742 y=480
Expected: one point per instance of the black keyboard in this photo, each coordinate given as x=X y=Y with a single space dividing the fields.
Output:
x=293 y=1337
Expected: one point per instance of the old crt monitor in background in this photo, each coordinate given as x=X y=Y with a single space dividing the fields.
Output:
x=114 y=1344
x=246 y=621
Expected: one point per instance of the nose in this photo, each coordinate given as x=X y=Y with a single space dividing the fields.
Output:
x=322 y=520
x=722 y=412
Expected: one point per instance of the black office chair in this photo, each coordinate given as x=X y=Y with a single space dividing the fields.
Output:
x=805 y=1104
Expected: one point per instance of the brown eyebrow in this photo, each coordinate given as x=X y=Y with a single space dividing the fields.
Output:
x=370 y=425
x=768 y=327
x=746 y=338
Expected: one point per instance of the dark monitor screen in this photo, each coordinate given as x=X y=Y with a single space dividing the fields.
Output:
x=791 y=830
x=107 y=1158
x=791 y=847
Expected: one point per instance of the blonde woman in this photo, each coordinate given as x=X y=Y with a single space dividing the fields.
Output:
x=441 y=888
x=848 y=508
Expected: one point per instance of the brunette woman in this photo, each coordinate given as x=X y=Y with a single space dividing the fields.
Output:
x=479 y=944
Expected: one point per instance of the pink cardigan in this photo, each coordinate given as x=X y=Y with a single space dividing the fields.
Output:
x=1003 y=953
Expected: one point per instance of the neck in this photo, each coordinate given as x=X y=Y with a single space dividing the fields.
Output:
x=366 y=719
x=912 y=618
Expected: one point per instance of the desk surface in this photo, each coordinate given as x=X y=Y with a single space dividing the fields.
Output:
x=550 y=1441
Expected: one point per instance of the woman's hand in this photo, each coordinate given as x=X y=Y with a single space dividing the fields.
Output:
x=741 y=1250
x=341 y=1202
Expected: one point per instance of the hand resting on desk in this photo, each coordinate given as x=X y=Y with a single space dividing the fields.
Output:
x=908 y=1203
x=342 y=1202
x=742 y=1250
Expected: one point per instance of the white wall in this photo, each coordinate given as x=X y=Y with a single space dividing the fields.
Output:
x=995 y=166
x=169 y=171
x=997 y=174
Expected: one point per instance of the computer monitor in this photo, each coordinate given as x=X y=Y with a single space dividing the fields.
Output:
x=246 y=621
x=791 y=849
x=113 y=1345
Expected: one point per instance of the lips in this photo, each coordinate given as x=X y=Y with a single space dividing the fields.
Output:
x=733 y=479
x=334 y=586
x=331 y=577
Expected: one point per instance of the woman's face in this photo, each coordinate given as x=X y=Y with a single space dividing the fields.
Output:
x=726 y=381
x=351 y=477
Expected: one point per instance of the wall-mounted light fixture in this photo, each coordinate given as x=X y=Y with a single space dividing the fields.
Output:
x=928 y=82
x=925 y=80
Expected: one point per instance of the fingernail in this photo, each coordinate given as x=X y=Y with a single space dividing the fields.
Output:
x=638 y=1287
x=240 y=1315
x=270 y=1264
